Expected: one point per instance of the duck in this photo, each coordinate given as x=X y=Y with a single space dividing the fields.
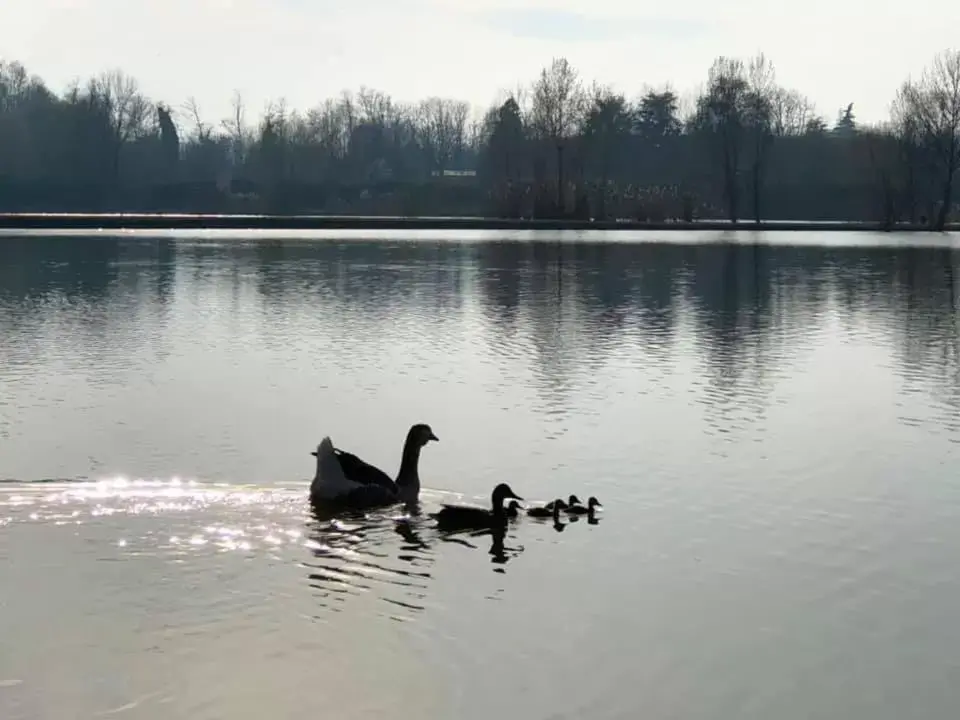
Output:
x=579 y=509
x=571 y=501
x=343 y=478
x=467 y=517
x=551 y=509
x=513 y=509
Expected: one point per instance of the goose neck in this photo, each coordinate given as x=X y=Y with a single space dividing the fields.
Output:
x=409 y=463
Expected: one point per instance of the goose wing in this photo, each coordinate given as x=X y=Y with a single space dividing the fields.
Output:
x=363 y=472
x=366 y=497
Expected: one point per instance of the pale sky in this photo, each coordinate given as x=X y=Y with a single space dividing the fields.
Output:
x=834 y=51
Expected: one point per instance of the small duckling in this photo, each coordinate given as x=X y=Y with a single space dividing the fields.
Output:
x=513 y=509
x=578 y=509
x=572 y=500
x=551 y=509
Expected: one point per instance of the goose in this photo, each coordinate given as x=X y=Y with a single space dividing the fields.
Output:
x=551 y=509
x=512 y=510
x=466 y=517
x=343 y=478
x=579 y=509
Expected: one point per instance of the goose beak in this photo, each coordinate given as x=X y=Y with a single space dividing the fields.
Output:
x=313 y=452
x=433 y=437
x=515 y=496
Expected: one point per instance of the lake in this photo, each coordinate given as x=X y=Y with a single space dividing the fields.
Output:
x=771 y=421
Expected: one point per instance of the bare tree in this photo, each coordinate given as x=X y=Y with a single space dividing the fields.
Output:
x=272 y=144
x=23 y=98
x=459 y=114
x=128 y=110
x=558 y=104
x=688 y=105
x=442 y=126
x=236 y=128
x=914 y=156
x=721 y=119
x=14 y=82
x=876 y=150
x=327 y=123
x=201 y=131
x=933 y=104
x=607 y=122
x=760 y=96
x=790 y=112
x=375 y=106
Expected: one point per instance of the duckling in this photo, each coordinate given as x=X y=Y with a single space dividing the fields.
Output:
x=578 y=509
x=572 y=500
x=551 y=509
x=512 y=510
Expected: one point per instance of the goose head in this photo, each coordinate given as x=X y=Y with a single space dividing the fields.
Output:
x=572 y=500
x=420 y=434
x=593 y=503
x=503 y=492
x=513 y=508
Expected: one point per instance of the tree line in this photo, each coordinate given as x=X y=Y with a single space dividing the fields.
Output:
x=746 y=148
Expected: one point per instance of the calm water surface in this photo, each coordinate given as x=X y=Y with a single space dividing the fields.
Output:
x=773 y=431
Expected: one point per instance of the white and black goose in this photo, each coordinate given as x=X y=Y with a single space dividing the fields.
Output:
x=345 y=480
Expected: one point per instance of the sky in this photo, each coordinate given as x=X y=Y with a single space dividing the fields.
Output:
x=302 y=51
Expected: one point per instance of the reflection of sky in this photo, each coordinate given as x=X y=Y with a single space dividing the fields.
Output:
x=306 y=51
x=771 y=430
x=513 y=345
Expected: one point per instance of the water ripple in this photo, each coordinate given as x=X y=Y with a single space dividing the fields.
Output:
x=773 y=425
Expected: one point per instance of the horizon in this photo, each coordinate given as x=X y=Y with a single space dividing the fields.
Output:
x=615 y=43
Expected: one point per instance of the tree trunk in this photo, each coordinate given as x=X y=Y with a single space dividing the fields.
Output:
x=604 y=172
x=944 y=213
x=602 y=200
x=733 y=195
x=756 y=191
x=730 y=167
x=911 y=194
x=560 y=203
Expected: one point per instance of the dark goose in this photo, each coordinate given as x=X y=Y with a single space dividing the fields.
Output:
x=343 y=479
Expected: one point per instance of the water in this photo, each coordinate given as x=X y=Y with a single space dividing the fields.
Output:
x=773 y=430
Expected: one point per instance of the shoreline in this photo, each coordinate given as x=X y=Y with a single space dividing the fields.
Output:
x=178 y=221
